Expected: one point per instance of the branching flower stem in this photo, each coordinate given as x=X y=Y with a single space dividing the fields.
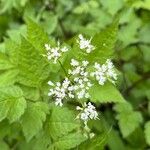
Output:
x=63 y=68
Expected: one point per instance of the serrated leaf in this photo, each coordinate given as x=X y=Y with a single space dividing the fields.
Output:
x=50 y=22
x=4 y=62
x=12 y=103
x=69 y=141
x=62 y=121
x=15 y=34
x=40 y=144
x=33 y=118
x=31 y=92
x=33 y=68
x=105 y=93
x=8 y=77
x=35 y=32
x=4 y=128
x=128 y=33
x=12 y=51
x=96 y=143
x=147 y=132
x=104 y=43
x=128 y=119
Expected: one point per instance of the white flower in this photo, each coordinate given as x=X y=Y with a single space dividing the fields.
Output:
x=80 y=77
x=91 y=135
x=74 y=62
x=87 y=113
x=104 y=72
x=60 y=91
x=50 y=83
x=85 y=63
x=54 y=53
x=85 y=44
x=58 y=102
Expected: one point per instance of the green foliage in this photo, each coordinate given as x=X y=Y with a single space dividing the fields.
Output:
x=4 y=62
x=128 y=119
x=147 y=132
x=61 y=122
x=31 y=75
x=105 y=94
x=34 y=115
x=12 y=102
x=69 y=141
x=8 y=77
x=7 y=5
x=120 y=31
x=104 y=42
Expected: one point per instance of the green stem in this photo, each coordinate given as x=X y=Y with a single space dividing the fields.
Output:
x=63 y=68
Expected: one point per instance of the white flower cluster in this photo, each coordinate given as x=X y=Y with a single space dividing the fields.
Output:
x=60 y=91
x=85 y=44
x=87 y=113
x=78 y=81
x=104 y=72
x=79 y=76
x=54 y=53
x=79 y=87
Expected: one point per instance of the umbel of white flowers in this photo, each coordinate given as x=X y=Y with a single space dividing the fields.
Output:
x=104 y=72
x=54 y=53
x=85 y=44
x=87 y=112
x=79 y=82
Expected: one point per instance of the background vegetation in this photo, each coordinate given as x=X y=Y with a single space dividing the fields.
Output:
x=121 y=126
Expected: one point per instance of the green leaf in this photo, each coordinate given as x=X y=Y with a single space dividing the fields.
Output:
x=33 y=118
x=137 y=138
x=105 y=93
x=69 y=141
x=31 y=93
x=128 y=33
x=15 y=34
x=4 y=128
x=96 y=143
x=12 y=103
x=142 y=4
x=8 y=77
x=144 y=33
x=36 y=35
x=115 y=142
x=117 y=4
x=62 y=121
x=4 y=62
x=39 y=143
x=50 y=22
x=12 y=51
x=147 y=132
x=104 y=43
x=33 y=68
x=128 y=119
x=7 y=5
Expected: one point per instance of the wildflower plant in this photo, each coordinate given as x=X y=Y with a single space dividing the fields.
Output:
x=56 y=89
x=59 y=86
